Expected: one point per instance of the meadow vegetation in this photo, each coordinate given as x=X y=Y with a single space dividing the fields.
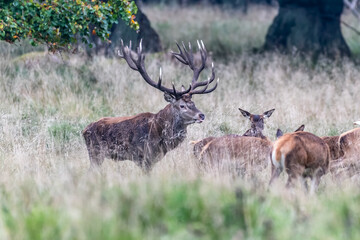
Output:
x=46 y=191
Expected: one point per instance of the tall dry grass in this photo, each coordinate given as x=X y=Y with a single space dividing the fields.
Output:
x=46 y=191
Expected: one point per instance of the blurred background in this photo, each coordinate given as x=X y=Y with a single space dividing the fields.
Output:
x=230 y=28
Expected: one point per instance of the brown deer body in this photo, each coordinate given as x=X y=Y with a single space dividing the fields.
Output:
x=251 y=148
x=333 y=143
x=249 y=151
x=147 y=137
x=301 y=154
x=349 y=143
x=349 y=148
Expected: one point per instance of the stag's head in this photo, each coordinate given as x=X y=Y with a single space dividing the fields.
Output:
x=257 y=121
x=181 y=100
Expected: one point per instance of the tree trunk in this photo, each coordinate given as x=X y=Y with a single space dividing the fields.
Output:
x=151 y=40
x=308 y=26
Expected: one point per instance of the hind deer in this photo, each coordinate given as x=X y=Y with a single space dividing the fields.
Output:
x=349 y=148
x=349 y=142
x=301 y=154
x=333 y=143
x=250 y=150
x=257 y=126
x=146 y=138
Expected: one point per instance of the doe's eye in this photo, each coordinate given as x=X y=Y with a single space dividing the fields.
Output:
x=182 y=106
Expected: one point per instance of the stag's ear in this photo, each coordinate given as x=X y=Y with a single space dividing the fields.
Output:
x=245 y=113
x=279 y=133
x=267 y=114
x=300 y=129
x=169 y=98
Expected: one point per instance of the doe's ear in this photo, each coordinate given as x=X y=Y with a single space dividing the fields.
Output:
x=169 y=98
x=267 y=114
x=300 y=129
x=245 y=113
x=279 y=133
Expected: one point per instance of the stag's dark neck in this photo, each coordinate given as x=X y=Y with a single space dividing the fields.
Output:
x=172 y=127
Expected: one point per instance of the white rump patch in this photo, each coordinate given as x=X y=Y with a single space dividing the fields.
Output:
x=277 y=164
x=357 y=123
x=273 y=159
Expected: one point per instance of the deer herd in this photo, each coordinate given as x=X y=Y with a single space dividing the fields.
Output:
x=146 y=137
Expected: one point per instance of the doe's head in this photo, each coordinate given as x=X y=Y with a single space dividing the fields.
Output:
x=257 y=121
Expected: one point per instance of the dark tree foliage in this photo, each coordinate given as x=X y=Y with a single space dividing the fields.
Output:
x=308 y=26
x=151 y=40
x=61 y=23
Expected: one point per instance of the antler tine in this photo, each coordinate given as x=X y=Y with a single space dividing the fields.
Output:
x=160 y=79
x=179 y=56
x=186 y=56
x=210 y=79
x=136 y=61
x=189 y=56
x=205 y=90
x=124 y=53
x=175 y=93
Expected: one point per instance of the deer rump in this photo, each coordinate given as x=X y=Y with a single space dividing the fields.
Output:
x=246 y=151
x=302 y=153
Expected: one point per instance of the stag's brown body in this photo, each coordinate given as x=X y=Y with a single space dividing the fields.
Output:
x=144 y=138
x=301 y=154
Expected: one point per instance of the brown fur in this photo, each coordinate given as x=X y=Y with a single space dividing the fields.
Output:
x=199 y=145
x=144 y=138
x=349 y=143
x=248 y=151
x=348 y=162
x=333 y=143
x=300 y=154
x=203 y=149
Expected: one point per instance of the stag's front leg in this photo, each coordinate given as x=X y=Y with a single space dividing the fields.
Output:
x=145 y=165
x=95 y=155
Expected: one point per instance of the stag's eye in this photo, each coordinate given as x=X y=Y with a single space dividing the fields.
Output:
x=182 y=106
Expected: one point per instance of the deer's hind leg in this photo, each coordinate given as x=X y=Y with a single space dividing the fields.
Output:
x=316 y=180
x=275 y=173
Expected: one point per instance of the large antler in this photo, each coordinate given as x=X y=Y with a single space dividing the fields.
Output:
x=186 y=57
x=136 y=62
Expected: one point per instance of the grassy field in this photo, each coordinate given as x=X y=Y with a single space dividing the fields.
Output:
x=46 y=191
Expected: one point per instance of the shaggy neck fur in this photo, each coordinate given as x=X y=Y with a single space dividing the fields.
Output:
x=171 y=127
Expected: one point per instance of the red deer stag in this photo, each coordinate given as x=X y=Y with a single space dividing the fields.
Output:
x=248 y=152
x=146 y=138
x=300 y=154
x=257 y=126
